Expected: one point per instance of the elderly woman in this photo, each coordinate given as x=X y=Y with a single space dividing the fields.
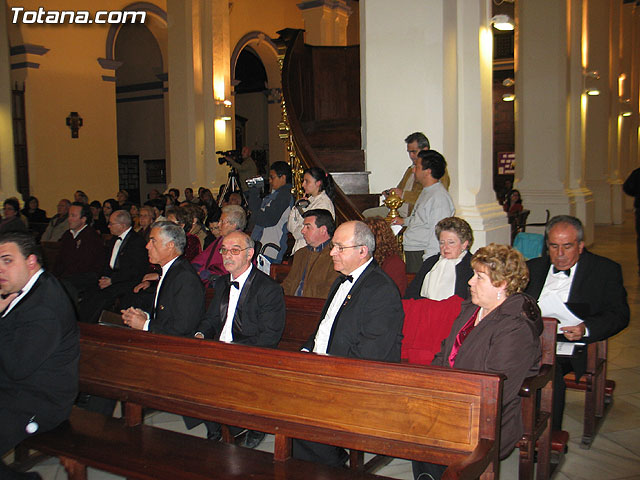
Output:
x=447 y=273
x=387 y=252
x=147 y=216
x=497 y=331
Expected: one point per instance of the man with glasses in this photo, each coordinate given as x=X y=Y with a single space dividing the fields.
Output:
x=362 y=318
x=247 y=308
x=127 y=264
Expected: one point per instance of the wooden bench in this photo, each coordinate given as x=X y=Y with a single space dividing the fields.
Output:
x=423 y=413
x=598 y=390
x=303 y=315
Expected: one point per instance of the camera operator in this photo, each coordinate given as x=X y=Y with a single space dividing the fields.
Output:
x=243 y=163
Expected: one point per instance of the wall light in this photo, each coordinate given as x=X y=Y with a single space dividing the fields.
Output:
x=590 y=79
x=223 y=109
x=508 y=97
x=502 y=22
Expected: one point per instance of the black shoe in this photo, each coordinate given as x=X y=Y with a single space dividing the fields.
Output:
x=253 y=439
x=214 y=436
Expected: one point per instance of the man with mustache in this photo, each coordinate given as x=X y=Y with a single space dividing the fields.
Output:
x=247 y=308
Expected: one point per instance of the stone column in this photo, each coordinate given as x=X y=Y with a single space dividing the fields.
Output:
x=198 y=74
x=325 y=22
x=600 y=177
x=430 y=71
x=8 y=187
x=550 y=110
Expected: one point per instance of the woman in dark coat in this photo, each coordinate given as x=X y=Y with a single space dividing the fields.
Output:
x=448 y=272
x=497 y=331
x=33 y=212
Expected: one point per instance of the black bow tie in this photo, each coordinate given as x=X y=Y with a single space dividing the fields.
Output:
x=566 y=272
x=118 y=238
x=344 y=278
x=235 y=284
x=6 y=295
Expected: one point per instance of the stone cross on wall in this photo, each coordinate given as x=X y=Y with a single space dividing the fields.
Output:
x=74 y=122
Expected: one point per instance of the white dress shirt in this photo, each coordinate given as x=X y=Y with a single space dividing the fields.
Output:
x=24 y=291
x=116 y=248
x=321 y=341
x=234 y=295
x=165 y=269
x=559 y=284
x=75 y=233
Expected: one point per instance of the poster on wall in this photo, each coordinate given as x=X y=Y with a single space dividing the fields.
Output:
x=506 y=163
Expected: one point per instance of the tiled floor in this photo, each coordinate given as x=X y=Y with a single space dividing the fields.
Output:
x=615 y=454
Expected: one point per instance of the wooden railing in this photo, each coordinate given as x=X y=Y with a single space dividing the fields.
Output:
x=302 y=104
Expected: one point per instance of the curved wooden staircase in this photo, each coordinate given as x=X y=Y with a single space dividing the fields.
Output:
x=321 y=90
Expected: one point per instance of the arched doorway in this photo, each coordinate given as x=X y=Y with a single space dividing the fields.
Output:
x=140 y=111
x=257 y=83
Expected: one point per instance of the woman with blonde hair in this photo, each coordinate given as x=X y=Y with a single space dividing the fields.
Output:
x=497 y=331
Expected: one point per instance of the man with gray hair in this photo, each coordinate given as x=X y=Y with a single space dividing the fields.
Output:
x=590 y=286
x=59 y=224
x=362 y=317
x=126 y=265
x=209 y=264
x=408 y=189
x=178 y=303
x=247 y=308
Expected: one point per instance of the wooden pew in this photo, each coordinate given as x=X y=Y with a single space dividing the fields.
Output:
x=598 y=390
x=431 y=414
x=537 y=410
x=303 y=315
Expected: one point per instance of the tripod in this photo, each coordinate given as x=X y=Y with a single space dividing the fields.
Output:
x=233 y=185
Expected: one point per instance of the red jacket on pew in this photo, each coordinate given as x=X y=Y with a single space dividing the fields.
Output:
x=426 y=323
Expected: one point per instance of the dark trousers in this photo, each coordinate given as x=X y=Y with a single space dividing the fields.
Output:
x=427 y=471
x=413 y=260
x=96 y=300
x=319 y=453
x=563 y=366
x=637 y=212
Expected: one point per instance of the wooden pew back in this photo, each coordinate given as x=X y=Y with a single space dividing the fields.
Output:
x=421 y=413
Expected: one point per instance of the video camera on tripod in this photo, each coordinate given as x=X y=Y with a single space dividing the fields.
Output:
x=235 y=155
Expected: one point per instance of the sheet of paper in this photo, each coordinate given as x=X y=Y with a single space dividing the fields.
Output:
x=551 y=306
x=564 y=348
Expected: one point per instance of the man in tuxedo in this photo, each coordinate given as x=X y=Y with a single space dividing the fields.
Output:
x=312 y=272
x=39 y=348
x=81 y=257
x=590 y=286
x=127 y=263
x=362 y=318
x=247 y=308
x=178 y=303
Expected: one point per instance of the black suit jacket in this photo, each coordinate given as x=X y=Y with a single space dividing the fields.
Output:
x=131 y=263
x=180 y=303
x=463 y=273
x=39 y=355
x=260 y=314
x=597 y=296
x=369 y=322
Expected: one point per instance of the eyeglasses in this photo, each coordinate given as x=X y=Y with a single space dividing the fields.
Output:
x=232 y=251
x=341 y=249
